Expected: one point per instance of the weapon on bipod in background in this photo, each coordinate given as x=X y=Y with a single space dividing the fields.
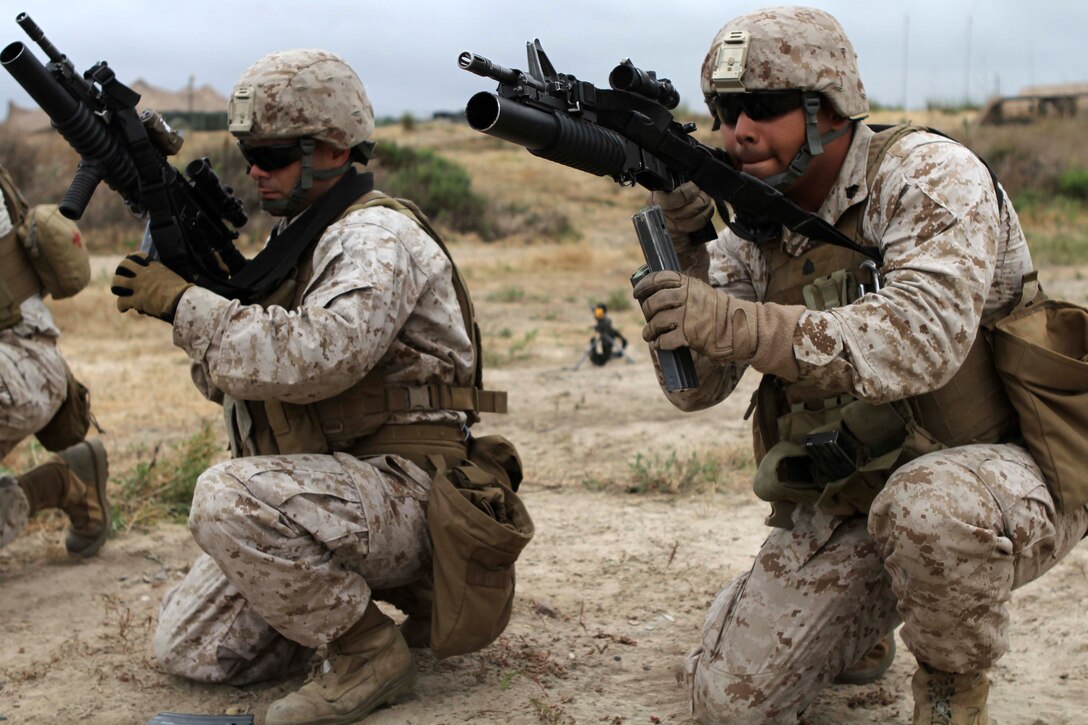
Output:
x=96 y=114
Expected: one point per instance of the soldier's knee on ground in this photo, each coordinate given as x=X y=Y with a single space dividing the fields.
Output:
x=718 y=696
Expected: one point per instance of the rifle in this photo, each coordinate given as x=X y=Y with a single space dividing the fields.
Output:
x=96 y=114
x=627 y=132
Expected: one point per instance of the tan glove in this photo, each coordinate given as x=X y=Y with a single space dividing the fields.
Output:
x=687 y=209
x=683 y=311
x=150 y=288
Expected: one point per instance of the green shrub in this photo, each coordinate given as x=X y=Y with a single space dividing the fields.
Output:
x=441 y=188
x=1074 y=183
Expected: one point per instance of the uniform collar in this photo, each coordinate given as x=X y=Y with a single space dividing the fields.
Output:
x=849 y=188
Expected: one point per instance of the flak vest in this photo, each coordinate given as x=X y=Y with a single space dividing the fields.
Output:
x=477 y=524
x=838 y=452
x=353 y=421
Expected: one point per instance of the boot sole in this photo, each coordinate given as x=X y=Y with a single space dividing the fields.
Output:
x=101 y=473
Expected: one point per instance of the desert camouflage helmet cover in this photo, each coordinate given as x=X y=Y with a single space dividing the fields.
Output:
x=306 y=92
x=787 y=48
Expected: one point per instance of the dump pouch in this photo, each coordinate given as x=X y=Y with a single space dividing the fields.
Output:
x=478 y=527
x=70 y=423
x=1041 y=354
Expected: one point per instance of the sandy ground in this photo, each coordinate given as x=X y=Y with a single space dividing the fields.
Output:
x=611 y=592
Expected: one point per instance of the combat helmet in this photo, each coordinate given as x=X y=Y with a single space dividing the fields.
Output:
x=788 y=49
x=303 y=95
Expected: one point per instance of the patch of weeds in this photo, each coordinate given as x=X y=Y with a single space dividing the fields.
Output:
x=162 y=487
x=508 y=679
x=520 y=349
x=671 y=474
x=507 y=294
x=515 y=349
x=695 y=473
x=549 y=713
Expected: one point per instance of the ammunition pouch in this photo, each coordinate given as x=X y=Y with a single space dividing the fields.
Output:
x=55 y=250
x=70 y=423
x=841 y=465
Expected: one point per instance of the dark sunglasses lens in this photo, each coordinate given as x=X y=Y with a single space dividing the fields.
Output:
x=271 y=158
x=727 y=108
x=758 y=106
x=762 y=106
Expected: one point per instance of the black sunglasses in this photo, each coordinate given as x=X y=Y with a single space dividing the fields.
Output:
x=272 y=157
x=757 y=105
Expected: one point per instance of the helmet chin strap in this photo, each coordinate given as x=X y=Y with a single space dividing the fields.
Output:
x=294 y=203
x=813 y=146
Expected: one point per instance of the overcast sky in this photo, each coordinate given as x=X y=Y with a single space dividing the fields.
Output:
x=406 y=52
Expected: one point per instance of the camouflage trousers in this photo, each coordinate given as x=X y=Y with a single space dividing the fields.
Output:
x=294 y=545
x=33 y=384
x=946 y=541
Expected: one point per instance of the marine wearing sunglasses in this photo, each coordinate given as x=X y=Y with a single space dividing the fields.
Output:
x=271 y=157
x=726 y=108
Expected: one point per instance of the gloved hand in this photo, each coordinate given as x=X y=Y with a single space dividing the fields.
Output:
x=687 y=209
x=149 y=287
x=683 y=311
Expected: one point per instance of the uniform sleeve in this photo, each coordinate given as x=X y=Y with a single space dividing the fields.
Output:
x=364 y=289
x=934 y=212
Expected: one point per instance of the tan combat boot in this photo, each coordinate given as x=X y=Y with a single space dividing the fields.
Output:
x=872 y=665
x=74 y=481
x=949 y=698
x=368 y=666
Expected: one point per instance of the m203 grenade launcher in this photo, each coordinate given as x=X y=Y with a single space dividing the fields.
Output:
x=96 y=114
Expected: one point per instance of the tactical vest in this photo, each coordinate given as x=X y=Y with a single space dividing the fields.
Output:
x=354 y=421
x=838 y=452
x=18 y=282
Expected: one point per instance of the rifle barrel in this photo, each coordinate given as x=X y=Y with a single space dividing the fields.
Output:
x=481 y=66
x=38 y=36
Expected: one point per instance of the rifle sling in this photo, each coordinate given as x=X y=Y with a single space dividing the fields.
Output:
x=281 y=254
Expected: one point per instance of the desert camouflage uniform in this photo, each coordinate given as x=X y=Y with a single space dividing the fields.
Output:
x=33 y=384
x=296 y=543
x=953 y=532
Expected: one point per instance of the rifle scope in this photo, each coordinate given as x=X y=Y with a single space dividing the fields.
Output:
x=626 y=77
x=549 y=134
